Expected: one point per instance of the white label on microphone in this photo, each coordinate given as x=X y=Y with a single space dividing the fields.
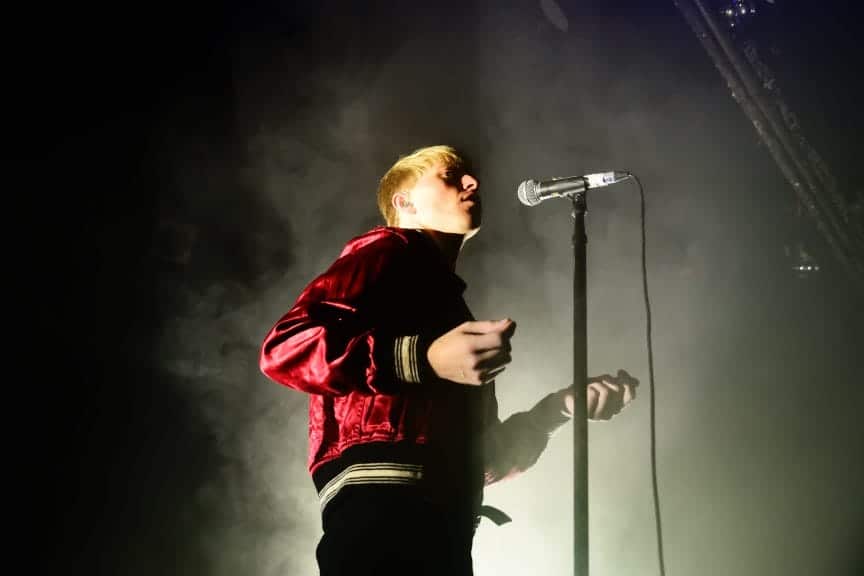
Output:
x=600 y=179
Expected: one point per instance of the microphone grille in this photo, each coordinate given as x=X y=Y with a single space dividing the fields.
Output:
x=527 y=193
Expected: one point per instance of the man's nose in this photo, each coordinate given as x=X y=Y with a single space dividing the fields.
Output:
x=469 y=182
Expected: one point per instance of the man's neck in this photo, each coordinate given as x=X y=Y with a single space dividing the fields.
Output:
x=449 y=244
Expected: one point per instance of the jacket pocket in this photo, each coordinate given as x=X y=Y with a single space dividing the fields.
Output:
x=383 y=413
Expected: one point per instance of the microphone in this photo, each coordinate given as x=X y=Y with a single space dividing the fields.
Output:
x=533 y=192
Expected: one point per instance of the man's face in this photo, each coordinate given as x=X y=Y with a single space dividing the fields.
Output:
x=447 y=200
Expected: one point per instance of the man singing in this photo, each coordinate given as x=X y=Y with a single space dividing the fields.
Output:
x=404 y=430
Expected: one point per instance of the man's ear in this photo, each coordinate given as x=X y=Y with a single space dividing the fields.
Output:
x=402 y=202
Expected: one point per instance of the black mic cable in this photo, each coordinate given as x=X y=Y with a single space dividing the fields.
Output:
x=653 y=441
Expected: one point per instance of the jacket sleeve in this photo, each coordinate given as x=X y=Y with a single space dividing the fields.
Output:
x=334 y=340
x=514 y=445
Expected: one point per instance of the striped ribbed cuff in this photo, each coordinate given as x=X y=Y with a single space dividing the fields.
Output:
x=371 y=473
x=407 y=365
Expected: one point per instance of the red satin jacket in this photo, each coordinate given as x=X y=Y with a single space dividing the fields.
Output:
x=355 y=341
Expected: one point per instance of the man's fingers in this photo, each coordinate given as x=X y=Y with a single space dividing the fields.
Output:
x=489 y=341
x=602 y=394
x=624 y=377
x=480 y=377
x=489 y=364
x=629 y=393
x=608 y=395
x=489 y=326
x=487 y=377
x=616 y=402
x=486 y=355
x=491 y=359
x=601 y=379
x=592 y=396
x=509 y=328
x=610 y=400
x=479 y=326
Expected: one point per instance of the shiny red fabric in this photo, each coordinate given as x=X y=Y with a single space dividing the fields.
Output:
x=323 y=345
x=336 y=344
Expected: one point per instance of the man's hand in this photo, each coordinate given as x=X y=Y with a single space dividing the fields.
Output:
x=474 y=352
x=606 y=395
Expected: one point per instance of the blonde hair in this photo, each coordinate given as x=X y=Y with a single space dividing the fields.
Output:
x=405 y=173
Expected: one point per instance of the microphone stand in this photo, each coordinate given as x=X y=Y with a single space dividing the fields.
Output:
x=580 y=379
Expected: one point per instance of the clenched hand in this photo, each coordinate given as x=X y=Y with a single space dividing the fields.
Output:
x=474 y=352
x=606 y=395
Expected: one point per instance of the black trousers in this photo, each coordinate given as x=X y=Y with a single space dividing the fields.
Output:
x=390 y=531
